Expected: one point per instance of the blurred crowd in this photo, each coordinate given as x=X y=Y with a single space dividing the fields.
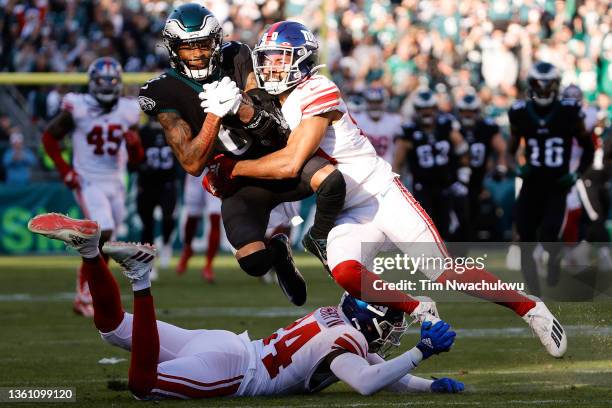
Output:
x=447 y=45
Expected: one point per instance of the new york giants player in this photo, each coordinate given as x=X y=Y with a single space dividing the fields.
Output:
x=377 y=208
x=329 y=344
x=104 y=136
x=380 y=126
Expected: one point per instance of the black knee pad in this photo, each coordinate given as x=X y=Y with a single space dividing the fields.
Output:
x=333 y=186
x=257 y=263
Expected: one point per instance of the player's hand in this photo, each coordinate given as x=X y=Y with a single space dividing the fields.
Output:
x=71 y=179
x=523 y=171
x=568 y=180
x=446 y=386
x=218 y=180
x=458 y=189
x=435 y=339
x=221 y=98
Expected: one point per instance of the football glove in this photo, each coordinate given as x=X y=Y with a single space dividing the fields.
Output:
x=568 y=180
x=435 y=339
x=458 y=189
x=446 y=386
x=218 y=180
x=71 y=179
x=221 y=98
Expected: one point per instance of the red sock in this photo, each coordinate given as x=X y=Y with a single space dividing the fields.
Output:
x=145 y=347
x=359 y=282
x=214 y=238
x=108 y=311
x=508 y=298
x=191 y=227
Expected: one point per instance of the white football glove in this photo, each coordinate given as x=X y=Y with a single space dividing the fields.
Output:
x=221 y=98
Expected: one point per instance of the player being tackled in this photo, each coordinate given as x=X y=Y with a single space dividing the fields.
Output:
x=332 y=343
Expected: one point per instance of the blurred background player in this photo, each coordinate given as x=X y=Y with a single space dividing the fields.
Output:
x=548 y=126
x=436 y=153
x=197 y=202
x=483 y=136
x=347 y=342
x=157 y=178
x=378 y=123
x=104 y=129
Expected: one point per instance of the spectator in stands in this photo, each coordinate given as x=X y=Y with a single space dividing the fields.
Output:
x=18 y=161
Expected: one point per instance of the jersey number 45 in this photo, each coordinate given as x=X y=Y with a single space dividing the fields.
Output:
x=114 y=137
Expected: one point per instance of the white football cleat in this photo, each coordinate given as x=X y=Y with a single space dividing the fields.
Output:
x=165 y=254
x=547 y=328
x=136 y=260
x=82 y=235
x=426 y=311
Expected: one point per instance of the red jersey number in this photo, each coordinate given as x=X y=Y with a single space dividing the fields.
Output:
x=114 y=136
x=284 y=352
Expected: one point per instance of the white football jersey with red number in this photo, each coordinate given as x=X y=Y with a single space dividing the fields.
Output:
x=365 y=173
x=289 y=357
x=99 y=152
x=382 y=132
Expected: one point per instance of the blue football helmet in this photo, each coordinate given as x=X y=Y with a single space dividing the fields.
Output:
x=376 y=99
x=382 y=327
x=285 y=56
x=105 y=80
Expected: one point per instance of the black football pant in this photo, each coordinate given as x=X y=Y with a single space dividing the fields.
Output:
x=437 y=204
x=540 y=213
x=152 y=193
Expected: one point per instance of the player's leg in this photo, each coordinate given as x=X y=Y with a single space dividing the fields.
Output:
x=245 y=216
x=551 y=229
x=145 y=204
x=528 y=218
x=167 y=201
x=403 y=231
x=193 y=202
x=213 y=215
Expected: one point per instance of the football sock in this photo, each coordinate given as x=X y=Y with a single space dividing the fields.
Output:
x=330 y=200
x=511 y=299
x=360 y=283
x=258 y=263
x=214 y=238
x=191 y=226
x=145 y=345
x=108 y=310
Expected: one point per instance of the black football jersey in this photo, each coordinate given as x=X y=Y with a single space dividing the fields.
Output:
x=431 y=160
x=159 y=164
x=172 y=92
x=479 y=137
x=548 y=138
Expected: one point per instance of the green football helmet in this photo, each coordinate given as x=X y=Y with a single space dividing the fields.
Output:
x=194 y=25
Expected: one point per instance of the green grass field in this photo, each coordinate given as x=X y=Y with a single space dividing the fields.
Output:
x=44 y=344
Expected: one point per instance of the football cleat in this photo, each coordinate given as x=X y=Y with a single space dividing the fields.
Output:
x=426 y=311
x=289 y=278
x=136 y=260
x=317 y=247
x=82 y=235
x=208 y=274
x=547 y=328
x=181 y=267
x=165 y=254
x=82 y=308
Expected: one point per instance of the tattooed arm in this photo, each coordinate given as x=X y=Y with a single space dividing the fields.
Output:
x=191 y=152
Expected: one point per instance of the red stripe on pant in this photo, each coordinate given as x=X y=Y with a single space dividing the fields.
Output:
x=353 y=277
x=191 y=392
x=201 y=384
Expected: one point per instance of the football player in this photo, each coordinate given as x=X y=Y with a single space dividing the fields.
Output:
x=157 y=178
x=377 y=209
x=251 y=127
x=104 y=127
x=548 y=126
x=330 y=344
x=377 y=123
x=437 y=156
x=483 y=137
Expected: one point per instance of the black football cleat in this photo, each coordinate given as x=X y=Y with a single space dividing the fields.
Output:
x=317 y=247
x=289 y=278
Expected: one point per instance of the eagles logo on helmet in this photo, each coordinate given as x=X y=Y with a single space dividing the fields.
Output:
x=543 y=81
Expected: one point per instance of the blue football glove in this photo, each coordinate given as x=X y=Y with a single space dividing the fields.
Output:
x=435 y=339
x=446 y=386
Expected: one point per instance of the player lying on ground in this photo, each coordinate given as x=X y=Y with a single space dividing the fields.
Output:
x=104 y=128
x=329 y=344
x=247 y=125
x=377 y=209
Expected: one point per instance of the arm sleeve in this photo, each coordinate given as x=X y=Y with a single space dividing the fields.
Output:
x=368 y=379
x=408 y=383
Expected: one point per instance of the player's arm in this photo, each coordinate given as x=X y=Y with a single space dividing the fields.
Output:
x=461 y=148
x=191 y=152
x=57 y=128
x=134 y=145
x=287 y=162
x=402 y=148
x=588 y=149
